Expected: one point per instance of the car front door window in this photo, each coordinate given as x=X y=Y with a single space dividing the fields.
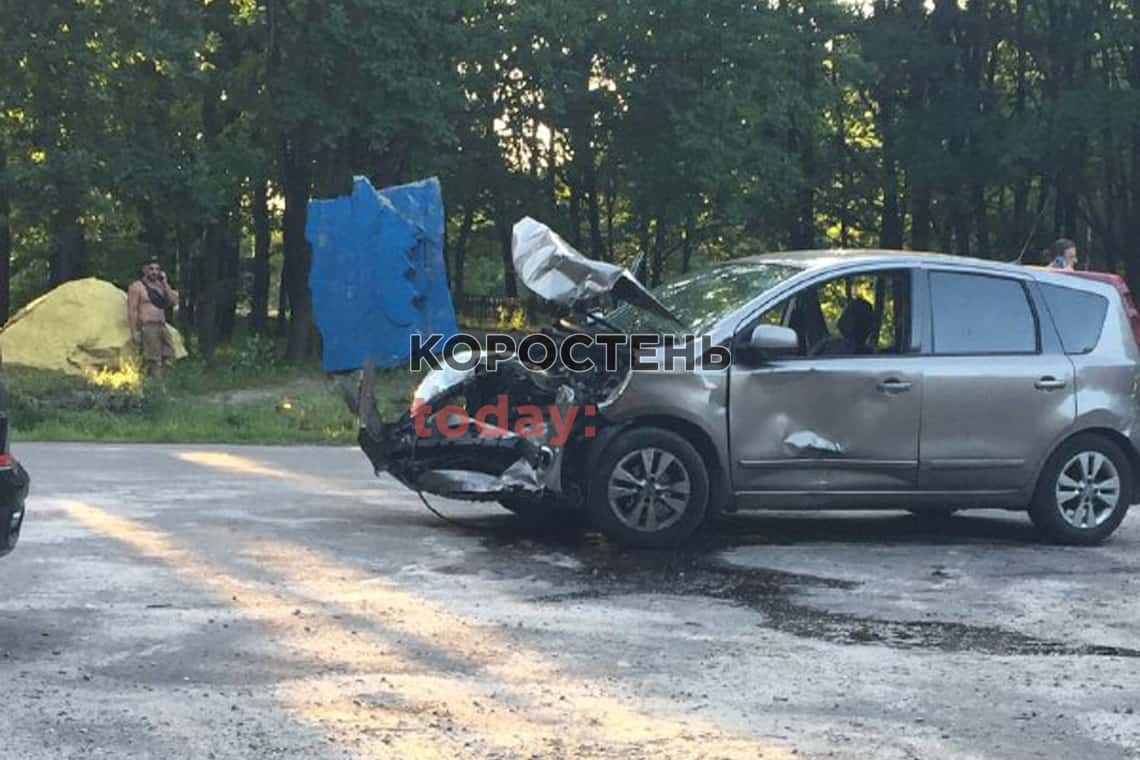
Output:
x=853 y=315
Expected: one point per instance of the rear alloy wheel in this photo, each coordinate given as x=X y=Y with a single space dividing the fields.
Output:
x=1084 y=491
x=650 y=489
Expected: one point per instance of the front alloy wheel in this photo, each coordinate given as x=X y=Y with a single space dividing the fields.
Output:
x=650 y=488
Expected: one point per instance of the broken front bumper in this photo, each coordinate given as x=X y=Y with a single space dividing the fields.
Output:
x=480 y=462
x=473 y=467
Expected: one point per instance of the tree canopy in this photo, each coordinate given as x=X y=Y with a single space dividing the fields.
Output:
x=690 y=130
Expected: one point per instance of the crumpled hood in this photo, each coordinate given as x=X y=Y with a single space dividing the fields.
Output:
x=549 y=267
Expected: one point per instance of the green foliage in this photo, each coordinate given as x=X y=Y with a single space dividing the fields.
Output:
x=256 y=353
x=690 y=131
x=312 y=420
x=35 y=396
x=192 y=404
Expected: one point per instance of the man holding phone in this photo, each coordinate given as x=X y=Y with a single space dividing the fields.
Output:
x=148 y=298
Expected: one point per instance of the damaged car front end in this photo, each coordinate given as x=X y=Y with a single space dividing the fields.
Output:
x=480 y=457
x=500 y=428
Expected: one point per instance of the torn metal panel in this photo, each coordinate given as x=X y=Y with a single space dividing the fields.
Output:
x=550 y=268
x=807 y=443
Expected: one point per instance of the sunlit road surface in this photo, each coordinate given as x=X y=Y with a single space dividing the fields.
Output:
x=232 y=602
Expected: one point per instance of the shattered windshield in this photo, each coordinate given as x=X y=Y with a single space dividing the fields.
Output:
x=698 y=300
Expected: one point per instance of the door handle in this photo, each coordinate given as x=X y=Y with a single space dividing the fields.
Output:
x=1049 y=383
x=894 y=385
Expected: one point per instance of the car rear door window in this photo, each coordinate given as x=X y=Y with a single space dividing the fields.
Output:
x=979 y=314
x=1079 y=316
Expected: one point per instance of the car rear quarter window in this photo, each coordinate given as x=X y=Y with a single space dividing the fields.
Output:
x=1079 y=316
x=979 y=314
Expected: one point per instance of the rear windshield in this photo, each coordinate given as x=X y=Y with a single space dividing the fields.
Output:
x=1079 y=316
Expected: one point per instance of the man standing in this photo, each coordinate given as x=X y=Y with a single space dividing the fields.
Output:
x=1063 y=254
x=148 y=298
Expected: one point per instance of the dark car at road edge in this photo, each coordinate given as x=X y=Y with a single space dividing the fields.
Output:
x=14 y=483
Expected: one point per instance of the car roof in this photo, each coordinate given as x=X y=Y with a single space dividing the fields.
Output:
x=814 y=259
x=818 y=259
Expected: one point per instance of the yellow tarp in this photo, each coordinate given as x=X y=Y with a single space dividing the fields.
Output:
x=79 y=326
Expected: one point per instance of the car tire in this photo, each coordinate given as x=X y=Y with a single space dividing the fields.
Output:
x=1083 y=492
x=650 y=489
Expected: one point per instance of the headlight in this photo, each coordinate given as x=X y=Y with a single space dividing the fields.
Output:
x=439 y=381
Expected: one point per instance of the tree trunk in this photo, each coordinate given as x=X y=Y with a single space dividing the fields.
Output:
x=960 y=219
x=259 y=307
x=296 y=183
x=920 y=215
x=208 y=296
x=187 y=288
x=611 y=196
x=153 y=232
x=1021 y=223
x=230 y=270
x=1126 y=253
x=5 y=239
x=656 y=259
x=69 y=245
x=282 y=322
x=550 y=178
x=213 y=239
x=511 y=287
x=891 y=231
x=844 y=170
x=593 y=208
x=891 y=224
x=219 y=259
x=981 y=221
x=687 y=243
x=803 y=236
x=575 y=209
x=217 y=293
x=460 y=256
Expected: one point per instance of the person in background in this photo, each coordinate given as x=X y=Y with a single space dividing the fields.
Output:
x=1063 y=254
x=148 y=298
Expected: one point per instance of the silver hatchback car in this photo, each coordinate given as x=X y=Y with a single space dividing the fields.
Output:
x=859 y=380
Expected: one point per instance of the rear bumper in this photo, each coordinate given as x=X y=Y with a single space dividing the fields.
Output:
x=14 y=482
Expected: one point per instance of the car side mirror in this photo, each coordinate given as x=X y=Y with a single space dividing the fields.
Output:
x=773 y=338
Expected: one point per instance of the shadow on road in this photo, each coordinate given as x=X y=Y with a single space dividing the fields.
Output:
x=790 y=528
x=590 y=568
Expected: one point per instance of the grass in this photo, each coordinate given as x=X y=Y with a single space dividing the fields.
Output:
x=240 y=399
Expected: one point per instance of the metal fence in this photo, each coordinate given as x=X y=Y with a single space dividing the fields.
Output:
x=495 y=311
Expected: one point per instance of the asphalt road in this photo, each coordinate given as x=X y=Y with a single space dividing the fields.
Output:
x=210 y=602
